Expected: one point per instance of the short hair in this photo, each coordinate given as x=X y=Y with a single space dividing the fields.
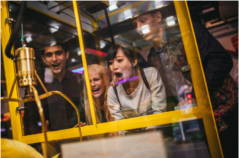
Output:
x=111 y=54
x=63 y=45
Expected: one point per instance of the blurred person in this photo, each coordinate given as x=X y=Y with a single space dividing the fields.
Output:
x=216 y=62
x=139 y=91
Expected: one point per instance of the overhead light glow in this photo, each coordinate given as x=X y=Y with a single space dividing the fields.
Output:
x=39 y=123
x=54 y=29
x=79 y=70
x=95 y=52
x=79 y=52
x=158 y=3
x=169 y=18
x=170 y=21
x=159 y=6
x=145 y=29
x=73 y=60
x=29 y=39
x=102 y=44
x=53 y=43
x=113 y=7
x=127 y=14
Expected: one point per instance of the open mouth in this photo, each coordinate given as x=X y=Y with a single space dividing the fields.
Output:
x=118 y=74
x=55 y=66
x=95 y=91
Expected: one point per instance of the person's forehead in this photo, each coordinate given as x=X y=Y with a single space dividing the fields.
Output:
x=93 y=73
x=53 y=49
x=120 y=53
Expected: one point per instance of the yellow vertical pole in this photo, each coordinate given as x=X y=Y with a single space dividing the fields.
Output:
x=97 y=43
x=82 y=47
x=10 y=72
x=198 y=77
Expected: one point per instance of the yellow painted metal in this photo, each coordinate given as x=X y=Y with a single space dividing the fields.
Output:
x=120 y=10
x=10 y=72
x=204 y=109
x=114 y=126
x=198 y=77
x=82 y=47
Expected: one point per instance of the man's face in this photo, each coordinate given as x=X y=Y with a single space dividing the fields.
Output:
x=148 y=25
x=55 y=57
x=121 y=66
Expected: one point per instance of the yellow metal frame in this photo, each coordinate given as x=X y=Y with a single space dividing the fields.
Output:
x=202 y=111
x=9 y=67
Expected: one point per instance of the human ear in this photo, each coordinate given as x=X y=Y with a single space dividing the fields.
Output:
x=42 y=57
x=135 y=62
x=158 y=16
x=67 y=54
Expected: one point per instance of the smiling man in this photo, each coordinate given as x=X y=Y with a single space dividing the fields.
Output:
x=57 y=110
x=55 y=58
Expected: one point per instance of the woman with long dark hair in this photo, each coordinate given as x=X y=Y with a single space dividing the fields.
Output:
x=139 y=91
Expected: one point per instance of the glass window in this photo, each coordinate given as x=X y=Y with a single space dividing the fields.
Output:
x=138 y=75
x=58 y=64
x=147 y=62
x=6 y=128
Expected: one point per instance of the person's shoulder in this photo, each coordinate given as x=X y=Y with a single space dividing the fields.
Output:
x=110 y=90
x=150 y=73
x=150 y=70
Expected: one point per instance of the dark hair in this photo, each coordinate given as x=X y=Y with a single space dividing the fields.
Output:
x=111 y=54
x=64 y=46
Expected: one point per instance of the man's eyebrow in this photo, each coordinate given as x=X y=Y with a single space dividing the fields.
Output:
x=119 y=56
x=48 y=53
x=59 y=51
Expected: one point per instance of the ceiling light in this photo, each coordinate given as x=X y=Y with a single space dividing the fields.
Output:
x=29 y=39
x=54 y=29
x=127 y=14
x=79 y=52
x=158 y=3
x=53 y=43
x=169 y=18
x=113 y=7
x=170 y=21
x=102 y=44
x=73 y=60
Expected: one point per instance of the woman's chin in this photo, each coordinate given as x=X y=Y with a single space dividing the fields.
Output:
x=98 y=95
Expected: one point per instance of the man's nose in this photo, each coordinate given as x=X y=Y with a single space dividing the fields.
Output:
x=139 y=29
x=54 y=57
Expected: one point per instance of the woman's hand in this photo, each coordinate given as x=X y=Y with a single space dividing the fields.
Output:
x=114 y=80
x=81 y=124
